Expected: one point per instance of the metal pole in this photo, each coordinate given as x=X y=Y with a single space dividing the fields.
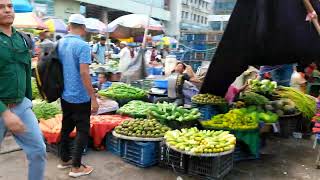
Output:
x=144 y=42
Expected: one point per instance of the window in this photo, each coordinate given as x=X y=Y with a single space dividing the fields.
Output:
x=186 y=15
x=182 y=14
x=194 y=17
x=206 y=20
x=202 y=19
x=191 y=1
x=198 y=20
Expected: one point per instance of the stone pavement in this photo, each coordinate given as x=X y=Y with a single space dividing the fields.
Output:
x=290 y=160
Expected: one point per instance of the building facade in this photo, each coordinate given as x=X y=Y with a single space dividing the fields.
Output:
x=194 y=15
x=222 y=10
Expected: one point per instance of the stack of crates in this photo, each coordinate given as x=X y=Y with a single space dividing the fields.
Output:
x=114 y=145
x=174 y=160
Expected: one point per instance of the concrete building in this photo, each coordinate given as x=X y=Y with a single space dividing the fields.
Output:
x=194 y=15
x=176 y=15
x=222 y=10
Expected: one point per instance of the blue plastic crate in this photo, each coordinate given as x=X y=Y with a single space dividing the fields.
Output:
x=163 y=84
x=114 y=145
x=157 y=71
x=141 y=154
x=207 y=111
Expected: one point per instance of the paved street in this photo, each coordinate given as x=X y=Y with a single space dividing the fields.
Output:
x=291 y=160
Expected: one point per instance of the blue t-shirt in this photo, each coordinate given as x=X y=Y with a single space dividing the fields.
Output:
x=74 y=51
x=100 y=51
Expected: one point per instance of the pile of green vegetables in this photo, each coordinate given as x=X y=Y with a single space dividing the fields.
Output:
x=282 y=107
x=200 y=141
x=121 y=91
x=208 y=99
x=44 y=110
x=264 y=86
x=304 y=103
x=35 y=90
x=251 y=98
x=241 y=119
x=136 y=108
x=171 y=112
x=145 y=128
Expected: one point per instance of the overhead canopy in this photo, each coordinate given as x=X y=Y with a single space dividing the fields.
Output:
x=133 y=25
x=95 y=26
x=262 y=32
x=28 y=20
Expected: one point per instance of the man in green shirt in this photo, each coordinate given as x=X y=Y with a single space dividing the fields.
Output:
x=15 y=94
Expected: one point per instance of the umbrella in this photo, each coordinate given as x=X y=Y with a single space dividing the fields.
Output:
x=165 y=40
x=168 y=40
x=28 y=20
x=56 y=25
x=133 y=25
x=95 y=26
x=22 y=6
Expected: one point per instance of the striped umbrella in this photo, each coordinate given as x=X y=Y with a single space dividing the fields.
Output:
x=56 y=25
x=21 y=6
x=28 y=20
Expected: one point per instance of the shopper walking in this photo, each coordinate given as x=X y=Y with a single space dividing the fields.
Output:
x=125 y=59
x=99 y=50
x=78 y=98
x=15 y=94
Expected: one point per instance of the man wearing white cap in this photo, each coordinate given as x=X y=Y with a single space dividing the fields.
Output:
x=78 y=98
x=125 y=58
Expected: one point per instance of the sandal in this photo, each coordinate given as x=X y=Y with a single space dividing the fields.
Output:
x=82 y=171
x=65 y=165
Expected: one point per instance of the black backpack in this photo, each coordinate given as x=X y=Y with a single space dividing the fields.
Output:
x=49 y=76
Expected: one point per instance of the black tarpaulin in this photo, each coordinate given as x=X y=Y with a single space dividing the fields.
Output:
x=262 y=32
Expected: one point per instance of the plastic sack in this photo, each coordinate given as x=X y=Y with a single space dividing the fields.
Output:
x=107 y=105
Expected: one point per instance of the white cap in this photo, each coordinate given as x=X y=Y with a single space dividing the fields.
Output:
x=123 y=42
x=77 y=19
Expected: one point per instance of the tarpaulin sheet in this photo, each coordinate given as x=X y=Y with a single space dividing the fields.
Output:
x=262 y=32
x=100 y=125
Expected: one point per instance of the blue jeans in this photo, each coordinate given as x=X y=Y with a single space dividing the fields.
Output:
x=30 y=141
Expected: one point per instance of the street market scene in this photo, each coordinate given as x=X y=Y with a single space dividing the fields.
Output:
x=159 y=89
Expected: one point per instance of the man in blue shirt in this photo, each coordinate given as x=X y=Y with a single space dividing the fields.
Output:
x=99 y=50
x=78 y=97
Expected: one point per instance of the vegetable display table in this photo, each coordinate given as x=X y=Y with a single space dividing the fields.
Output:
x=201 y=155
x=135 y=138
x=99 y=127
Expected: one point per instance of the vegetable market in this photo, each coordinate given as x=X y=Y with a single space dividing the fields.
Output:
x=112 y=93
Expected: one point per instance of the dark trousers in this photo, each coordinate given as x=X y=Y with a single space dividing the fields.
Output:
x=75 y=116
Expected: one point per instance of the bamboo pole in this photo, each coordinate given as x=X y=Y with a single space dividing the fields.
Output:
x=144 y=42
x=313 y=14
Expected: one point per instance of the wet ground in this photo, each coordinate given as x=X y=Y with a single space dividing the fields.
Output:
x=287 y=159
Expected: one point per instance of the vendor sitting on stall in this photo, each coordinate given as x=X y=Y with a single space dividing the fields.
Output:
x=240 y=83
x=102 y=82
x=176 y=83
